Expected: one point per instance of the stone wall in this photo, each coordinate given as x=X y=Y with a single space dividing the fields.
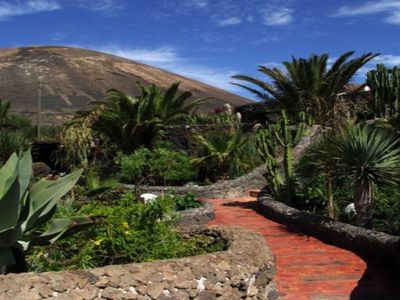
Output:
x=244 y=271
x=197 y=216
x=363 y=241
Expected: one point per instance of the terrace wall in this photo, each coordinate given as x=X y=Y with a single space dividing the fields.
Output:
x=244 y=271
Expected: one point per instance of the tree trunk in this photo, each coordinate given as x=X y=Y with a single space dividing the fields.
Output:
x=363 y=200
x=329 y=196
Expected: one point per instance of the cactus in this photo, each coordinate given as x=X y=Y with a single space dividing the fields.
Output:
x=280 y=134
x=24 y=212
x=385 y=90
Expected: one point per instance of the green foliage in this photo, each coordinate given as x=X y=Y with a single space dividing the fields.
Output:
x=4 y=110
x=185 y=202
x=127 y=232
x=134 y=122
x=20 y=123
x=275 y=139
x=385 y=90
x=308 y=85
x=25 y=212
x=158 y=166
x=12 y=141
x=386 y=211
x=221 y=153
x=371 y=159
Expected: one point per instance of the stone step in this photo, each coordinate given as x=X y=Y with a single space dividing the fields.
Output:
x=254 y=193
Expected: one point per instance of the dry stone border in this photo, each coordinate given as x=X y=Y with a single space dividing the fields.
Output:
x=244 y=271
x=360 y=240
x=196 y=216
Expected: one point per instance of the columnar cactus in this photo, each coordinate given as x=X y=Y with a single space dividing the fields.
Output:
x=385 y=90
x=281 y=134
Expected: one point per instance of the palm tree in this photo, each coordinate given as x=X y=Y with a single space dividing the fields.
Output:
x=221 y=147
x=307 y=84
x=170 y=107
x=371 y=158
x=132 y=122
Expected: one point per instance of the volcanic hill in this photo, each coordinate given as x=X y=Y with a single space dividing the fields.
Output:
x=73 y=77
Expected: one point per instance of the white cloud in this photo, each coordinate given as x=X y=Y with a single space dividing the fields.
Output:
x=388 y=60
x=9 y=10
x=100 y=5
x=167 y=58
x=277 y=16
x=230 y=21
x=390 y=7
x=160 y=55
x=199 y=3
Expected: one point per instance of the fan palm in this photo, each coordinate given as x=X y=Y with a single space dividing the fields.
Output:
x=371 y=158
x=221 y=148
x=307 y=84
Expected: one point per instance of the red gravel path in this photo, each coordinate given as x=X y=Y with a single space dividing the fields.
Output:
x=307 y=268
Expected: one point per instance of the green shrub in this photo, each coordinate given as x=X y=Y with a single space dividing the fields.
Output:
x=127 y=231
x=185 y=202
x=12 y=141
x=386 y=211
x=158 y=166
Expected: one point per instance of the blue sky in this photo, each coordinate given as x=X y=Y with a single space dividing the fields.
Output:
x=208 y=40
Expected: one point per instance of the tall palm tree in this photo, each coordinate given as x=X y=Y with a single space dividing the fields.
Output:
x=307 y=84
x=371 y=157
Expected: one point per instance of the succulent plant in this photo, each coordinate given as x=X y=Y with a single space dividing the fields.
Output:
x=27 y=214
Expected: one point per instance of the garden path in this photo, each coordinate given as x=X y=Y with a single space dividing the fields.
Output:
x=307 y=268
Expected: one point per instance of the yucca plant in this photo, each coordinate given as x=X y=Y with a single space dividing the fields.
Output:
x=26 y=212
x=371 y=158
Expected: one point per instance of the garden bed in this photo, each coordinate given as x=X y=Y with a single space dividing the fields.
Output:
x=360 y=240
x=244 y=271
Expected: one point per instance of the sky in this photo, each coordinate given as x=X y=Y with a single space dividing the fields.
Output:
x=208 y=40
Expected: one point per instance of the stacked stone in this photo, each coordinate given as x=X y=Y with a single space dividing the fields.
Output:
x=244 y=271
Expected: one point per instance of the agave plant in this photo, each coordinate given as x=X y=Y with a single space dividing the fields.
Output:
x=25 y=212
x=371 y=158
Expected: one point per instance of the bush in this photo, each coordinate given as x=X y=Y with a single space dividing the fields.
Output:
x=159 y=166
x=185 y=202
x=126 y=232
x=12 y=141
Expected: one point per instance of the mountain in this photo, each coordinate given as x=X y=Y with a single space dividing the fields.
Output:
x=73 y=77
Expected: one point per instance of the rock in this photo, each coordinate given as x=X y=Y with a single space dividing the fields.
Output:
x=40 y=170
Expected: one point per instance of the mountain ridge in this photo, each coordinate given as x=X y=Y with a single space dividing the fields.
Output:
x=72 y=77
